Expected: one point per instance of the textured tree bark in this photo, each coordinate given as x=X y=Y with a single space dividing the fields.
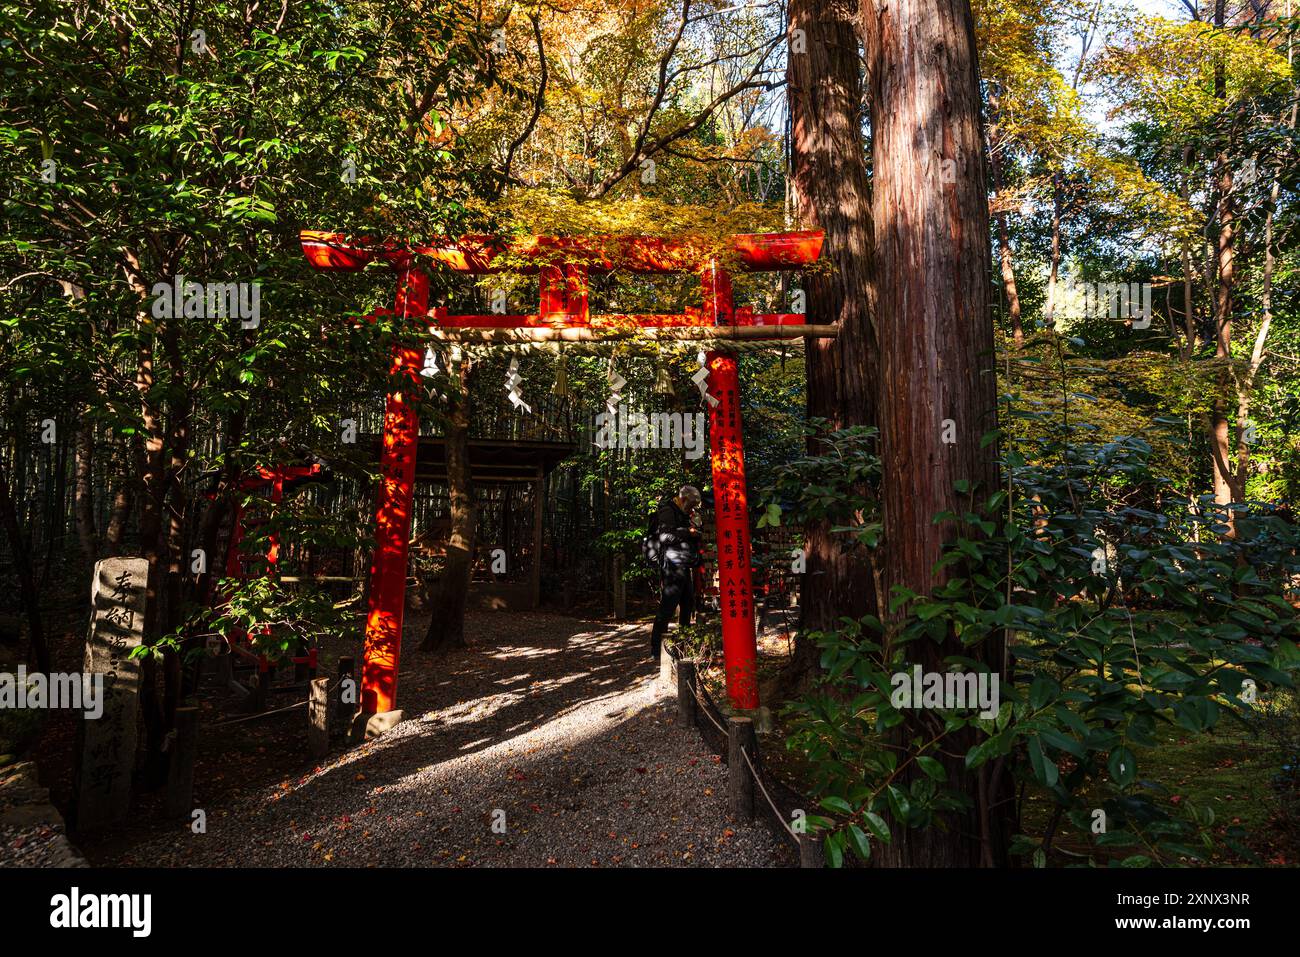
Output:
x=218 y=508
x=151 y=469
x=1220 y=458
x=124 y=498
x=832 y=192
x=83 y=498
x=1054 y=267
x=939 y=392
x=1004 y=239
x=447 y=623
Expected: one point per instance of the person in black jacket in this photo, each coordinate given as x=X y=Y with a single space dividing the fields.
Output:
x=679 y=553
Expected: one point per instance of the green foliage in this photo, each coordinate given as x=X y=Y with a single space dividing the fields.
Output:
x=1121 y=619
x=699 y=641
x=830 y=485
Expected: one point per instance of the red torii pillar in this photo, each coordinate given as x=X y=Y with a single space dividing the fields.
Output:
x=387 y=601
x=730 y=503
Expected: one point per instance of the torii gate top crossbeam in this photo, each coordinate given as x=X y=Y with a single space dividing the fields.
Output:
x=563 y=265
x=479 y=255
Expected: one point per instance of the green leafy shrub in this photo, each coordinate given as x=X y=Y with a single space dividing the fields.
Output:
x=1119 y=618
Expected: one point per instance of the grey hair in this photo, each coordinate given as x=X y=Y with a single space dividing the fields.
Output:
x=689 y=493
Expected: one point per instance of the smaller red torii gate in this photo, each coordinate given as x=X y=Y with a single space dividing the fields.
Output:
x=563 y=265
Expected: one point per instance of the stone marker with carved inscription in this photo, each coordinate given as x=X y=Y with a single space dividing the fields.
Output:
x=106 y=746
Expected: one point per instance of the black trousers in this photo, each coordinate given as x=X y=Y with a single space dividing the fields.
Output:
x=678 y=595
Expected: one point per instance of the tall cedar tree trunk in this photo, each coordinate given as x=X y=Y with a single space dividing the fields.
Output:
x=447 y=622
x=27 y=592
x=833 y=193
x=936 y=337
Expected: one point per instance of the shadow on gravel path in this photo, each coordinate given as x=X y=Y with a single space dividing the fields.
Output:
x=547 y=742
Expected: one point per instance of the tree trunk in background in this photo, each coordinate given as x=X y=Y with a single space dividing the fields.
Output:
x=218 y=508
x=833 y=193
x=122 y=500
x=1054 y=267
x=27 y=594
x=83 y=491
x=1190 y=326
x=447 y=624
x=1004 y=238
x=55 y=518
x=151 y=469
x=1219 y=437
x=937 y=364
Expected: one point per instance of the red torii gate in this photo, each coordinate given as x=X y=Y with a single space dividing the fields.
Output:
x=563 y=265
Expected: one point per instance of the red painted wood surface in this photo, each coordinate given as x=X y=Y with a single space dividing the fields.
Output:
x=563 y=265
x=387 y=601
x=730 y=505
x=648 y=254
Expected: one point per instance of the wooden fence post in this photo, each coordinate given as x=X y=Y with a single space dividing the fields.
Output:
x=318 y=717
x=810 y=850
x=740 y=783
x=225 y=668
x=261 y=681
x=344 y=710
x=180 y=771
x=686 y=691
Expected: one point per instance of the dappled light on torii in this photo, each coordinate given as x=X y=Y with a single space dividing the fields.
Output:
x=563 y=265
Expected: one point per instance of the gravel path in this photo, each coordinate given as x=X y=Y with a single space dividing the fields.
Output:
x=32 y=833
x=548 y=742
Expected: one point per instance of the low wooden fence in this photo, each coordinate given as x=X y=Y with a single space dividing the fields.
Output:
x=733 y=738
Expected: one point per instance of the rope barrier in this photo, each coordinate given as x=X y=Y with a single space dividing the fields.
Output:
x=753 y=771
x=705 y=709
x=266 y=714
x=704 y=702
x=767 y=797
x=260 y=714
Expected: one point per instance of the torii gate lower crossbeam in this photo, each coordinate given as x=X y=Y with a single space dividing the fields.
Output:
x=563 y=304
